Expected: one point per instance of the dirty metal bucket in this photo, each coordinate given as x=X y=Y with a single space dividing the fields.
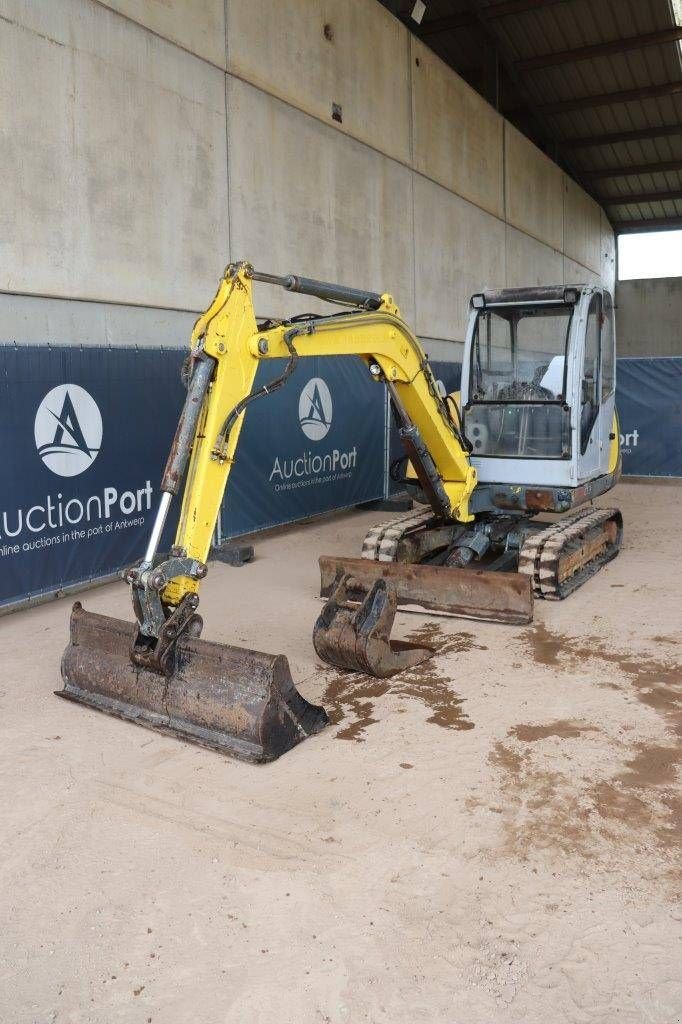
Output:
x=234 y=700
x=468 y=593
x=357 y=637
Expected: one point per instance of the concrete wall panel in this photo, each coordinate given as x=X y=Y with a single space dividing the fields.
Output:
x=534 y=189
x=576 y=273
x=196 y=25
x=530 y=262
x=582 y=226
x=457 y=135
x=305 y=199
x=649 y=317
x=446 y=351
x=459 y=249
x=34 y=320
x=113 y=164
x=363 y=67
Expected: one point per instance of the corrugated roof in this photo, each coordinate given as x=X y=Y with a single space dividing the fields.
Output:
x=571 y=74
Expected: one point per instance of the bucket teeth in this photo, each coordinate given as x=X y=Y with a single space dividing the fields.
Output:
x=234 y=700
x=357 y=636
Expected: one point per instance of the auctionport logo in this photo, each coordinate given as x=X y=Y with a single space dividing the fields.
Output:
x=68 y=430
x=315 y=409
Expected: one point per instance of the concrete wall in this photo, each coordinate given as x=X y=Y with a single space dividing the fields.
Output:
x=34 y=320
x=458 y=138
x=155 y=140
x=534 y=190
x=649 y=317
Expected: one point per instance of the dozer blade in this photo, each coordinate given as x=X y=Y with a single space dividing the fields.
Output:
x=234 y=700
x=357 y=637
x=468 y=593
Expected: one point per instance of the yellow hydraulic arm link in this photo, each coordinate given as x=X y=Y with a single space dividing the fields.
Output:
x=228 y=333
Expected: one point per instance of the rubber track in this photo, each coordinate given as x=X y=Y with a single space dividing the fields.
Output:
x=381 y=542
x=540 y=555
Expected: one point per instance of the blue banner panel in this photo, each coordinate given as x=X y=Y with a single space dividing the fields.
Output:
x=449 y=373
x=85 y=432
x=314 y=446
x=649 y=402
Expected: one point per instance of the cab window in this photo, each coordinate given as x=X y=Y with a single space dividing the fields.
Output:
x=608 y=349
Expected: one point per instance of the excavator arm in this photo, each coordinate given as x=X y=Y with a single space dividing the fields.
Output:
x=157 y=671
x=226 y=349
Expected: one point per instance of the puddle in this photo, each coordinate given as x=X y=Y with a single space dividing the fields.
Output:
x=431 y=635
x=653 y=771
x=657 y=682
x=352 y=696
x=564 y=729
x=571 y=809
x=425 y=683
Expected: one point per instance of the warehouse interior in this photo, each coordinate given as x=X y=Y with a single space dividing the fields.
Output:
x=492 y=834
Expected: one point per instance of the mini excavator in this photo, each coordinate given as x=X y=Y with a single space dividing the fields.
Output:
x=532 y=432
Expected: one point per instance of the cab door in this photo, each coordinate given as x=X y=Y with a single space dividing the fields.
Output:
x=589 y=440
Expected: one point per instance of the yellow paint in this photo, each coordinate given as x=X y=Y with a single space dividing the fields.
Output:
x=615 y=460
x=228 y=322
x=227 y=331
x=457 y=396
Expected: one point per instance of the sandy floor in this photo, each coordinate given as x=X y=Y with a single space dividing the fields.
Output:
x=495 y=839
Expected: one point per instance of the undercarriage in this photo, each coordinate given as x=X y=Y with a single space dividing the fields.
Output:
x=558 y=556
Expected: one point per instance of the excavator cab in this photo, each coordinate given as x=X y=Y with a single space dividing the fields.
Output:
x=537 y=410
x=538 y=394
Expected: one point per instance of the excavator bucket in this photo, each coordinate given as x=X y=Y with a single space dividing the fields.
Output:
x=357 y=636
x=233 y=700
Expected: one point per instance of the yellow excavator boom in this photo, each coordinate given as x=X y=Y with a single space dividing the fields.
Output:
x=228 y=334
x=157 y=672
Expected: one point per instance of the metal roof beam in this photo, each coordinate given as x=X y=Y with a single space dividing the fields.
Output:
x=438 y=26
x=610 y=138
x=510 y=7
x=629 y=227
x=551 y=60
x=605 y=99
x=496 y=38
x=623 y=170
x=642 y=197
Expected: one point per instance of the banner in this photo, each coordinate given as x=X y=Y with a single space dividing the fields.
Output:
x=314 y=446
x=84 y=434
x=649 y=402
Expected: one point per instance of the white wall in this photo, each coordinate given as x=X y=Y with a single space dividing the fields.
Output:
x=154 y=141
x=113 y=160
x=307 y=199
